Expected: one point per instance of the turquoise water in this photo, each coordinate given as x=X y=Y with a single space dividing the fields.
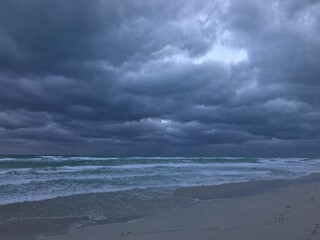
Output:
x=47 y=177
x=59 y=193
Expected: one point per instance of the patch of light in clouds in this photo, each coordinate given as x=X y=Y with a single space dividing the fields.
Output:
x=223 y=53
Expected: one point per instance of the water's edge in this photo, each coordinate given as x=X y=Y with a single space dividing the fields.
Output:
x=38 y=228
x=48 y=195
x=242 y=189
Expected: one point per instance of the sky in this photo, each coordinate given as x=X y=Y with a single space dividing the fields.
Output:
x=160 y=77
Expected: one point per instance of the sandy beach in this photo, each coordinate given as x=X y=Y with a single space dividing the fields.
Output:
x=159 y=120
x=290 y=211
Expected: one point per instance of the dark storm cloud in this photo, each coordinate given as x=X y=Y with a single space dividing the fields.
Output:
x=56 y=36
x=148 y=78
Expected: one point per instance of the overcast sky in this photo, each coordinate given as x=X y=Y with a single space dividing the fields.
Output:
x=160 y=77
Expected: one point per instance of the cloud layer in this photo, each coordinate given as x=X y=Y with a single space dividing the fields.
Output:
x=151 y=77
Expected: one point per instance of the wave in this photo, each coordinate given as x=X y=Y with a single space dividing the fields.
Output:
x=97 y=167
x=97 y=158
x=43 y=176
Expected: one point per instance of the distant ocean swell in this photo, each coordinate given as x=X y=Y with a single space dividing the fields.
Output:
x=46 y=177
x=60 y=193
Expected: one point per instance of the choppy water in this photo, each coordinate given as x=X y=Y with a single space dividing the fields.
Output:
x=46 y=177
x=78 y=191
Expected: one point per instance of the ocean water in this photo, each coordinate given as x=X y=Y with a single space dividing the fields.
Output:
x=84 y=190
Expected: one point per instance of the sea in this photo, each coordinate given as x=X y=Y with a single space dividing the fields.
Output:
x=62 y=193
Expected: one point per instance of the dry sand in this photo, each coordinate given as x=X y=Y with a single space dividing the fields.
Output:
x=292 y=213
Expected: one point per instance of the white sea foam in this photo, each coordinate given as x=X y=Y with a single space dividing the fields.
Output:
x=45 y=177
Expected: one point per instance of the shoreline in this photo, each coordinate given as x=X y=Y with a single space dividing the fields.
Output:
x=273 y=200
x=242 y=189
x=70 y=213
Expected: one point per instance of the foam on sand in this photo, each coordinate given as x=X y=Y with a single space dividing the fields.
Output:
x=289 y=213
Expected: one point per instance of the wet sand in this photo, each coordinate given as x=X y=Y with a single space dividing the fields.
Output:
x=281 y=210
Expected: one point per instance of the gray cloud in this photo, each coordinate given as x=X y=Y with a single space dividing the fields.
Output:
x=148 y=78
